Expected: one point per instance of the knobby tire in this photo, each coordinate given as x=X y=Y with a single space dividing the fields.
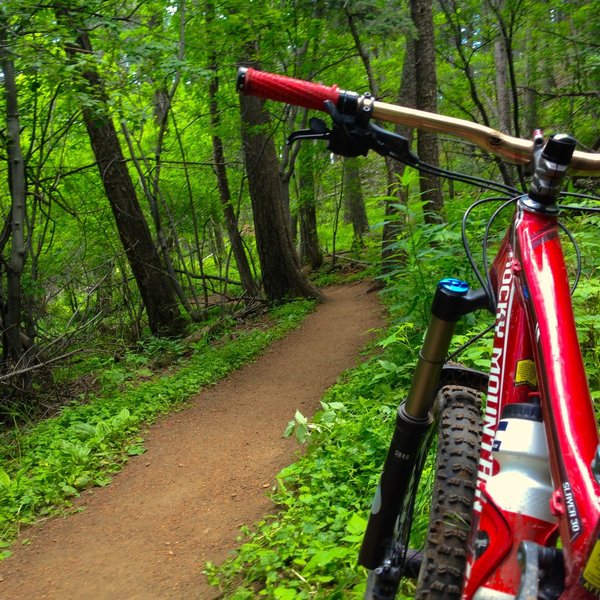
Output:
x=441 y=576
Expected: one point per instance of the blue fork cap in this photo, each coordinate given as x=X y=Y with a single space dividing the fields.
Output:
x=454 y=286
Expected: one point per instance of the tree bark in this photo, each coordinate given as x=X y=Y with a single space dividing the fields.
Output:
x=281 y=274
x=231 y=221
x=530 y=100
x=397 y=193
x=11 y=317
x=154 y=285
x=354 y=202
x=426 y=97
x=310 y=252
x=502 y=93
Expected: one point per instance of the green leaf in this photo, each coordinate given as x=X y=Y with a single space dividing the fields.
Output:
x=5 y=480
x=300 y=418
x=69 y=490
x=136 y=450
x=283 y=593
x=85 y=429
x=356 y=525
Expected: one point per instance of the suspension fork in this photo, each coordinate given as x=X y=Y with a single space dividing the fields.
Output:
x=453 y=299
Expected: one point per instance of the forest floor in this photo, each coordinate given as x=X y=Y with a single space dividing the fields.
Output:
x=206 y=471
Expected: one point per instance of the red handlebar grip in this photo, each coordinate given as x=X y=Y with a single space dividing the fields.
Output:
x=285 y=89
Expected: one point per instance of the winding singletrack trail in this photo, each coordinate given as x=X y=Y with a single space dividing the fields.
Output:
x=206 y=471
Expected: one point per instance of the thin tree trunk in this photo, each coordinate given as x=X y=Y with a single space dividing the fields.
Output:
x=502 y=93
x=310 y=252
x=426 y=97
x=354 y=202
x=397 y=193
x=154 y=210
x=11 y=329
x=529 y=96
x=452 y=12
x=281 y=274
x=394 y=169
x=231 y=221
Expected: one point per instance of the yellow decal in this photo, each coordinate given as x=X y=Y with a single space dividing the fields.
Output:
x=526 y=373
x=591 y=573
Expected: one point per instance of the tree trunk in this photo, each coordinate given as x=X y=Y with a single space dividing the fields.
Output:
x=161 y=235
x=397 y=193
x=530 y=97
x=310 y=252
x=280 y=267
x=231 y=221
x=11 y=317
x=502 y=92
x=354 y=203
x=426 y=97
x=155 y=287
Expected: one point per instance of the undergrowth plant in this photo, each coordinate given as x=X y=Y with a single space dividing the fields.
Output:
x=43 y=467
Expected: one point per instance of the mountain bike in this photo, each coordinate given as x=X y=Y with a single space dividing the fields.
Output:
x=515 y=511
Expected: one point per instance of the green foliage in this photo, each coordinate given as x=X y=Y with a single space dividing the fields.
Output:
x=586 y=300
x=54 y=460
x=76 y=275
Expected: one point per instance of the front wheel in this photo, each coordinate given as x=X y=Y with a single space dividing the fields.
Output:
x=441 y=576
x=439 y=569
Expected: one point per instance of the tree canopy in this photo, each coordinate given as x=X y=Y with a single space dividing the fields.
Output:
x=129 y=197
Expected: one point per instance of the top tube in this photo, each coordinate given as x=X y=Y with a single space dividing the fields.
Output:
x=314 y=95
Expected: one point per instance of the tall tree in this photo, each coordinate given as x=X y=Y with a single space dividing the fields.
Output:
x=426 y=99
x=354 y=202
x=231 y=220
x=280 y=267
x=396 y=192
x=463 y=56
x=310 y=252
x=154 y=285
x=163 y=103
x=11 y=308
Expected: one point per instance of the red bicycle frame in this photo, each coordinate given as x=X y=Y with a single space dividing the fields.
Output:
x=535 y=325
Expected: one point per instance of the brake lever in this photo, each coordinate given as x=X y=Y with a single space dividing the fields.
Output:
x=317 y=131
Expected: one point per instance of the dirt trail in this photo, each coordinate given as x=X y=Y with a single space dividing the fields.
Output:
x=206 y=471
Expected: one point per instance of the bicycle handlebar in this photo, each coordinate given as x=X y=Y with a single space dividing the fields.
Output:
x=314 y=95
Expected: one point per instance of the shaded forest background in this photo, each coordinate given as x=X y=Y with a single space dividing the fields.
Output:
x=140 y=194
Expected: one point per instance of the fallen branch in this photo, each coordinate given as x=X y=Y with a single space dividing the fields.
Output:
x=18 y=372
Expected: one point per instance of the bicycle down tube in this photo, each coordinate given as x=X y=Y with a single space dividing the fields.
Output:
x=535 y=530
